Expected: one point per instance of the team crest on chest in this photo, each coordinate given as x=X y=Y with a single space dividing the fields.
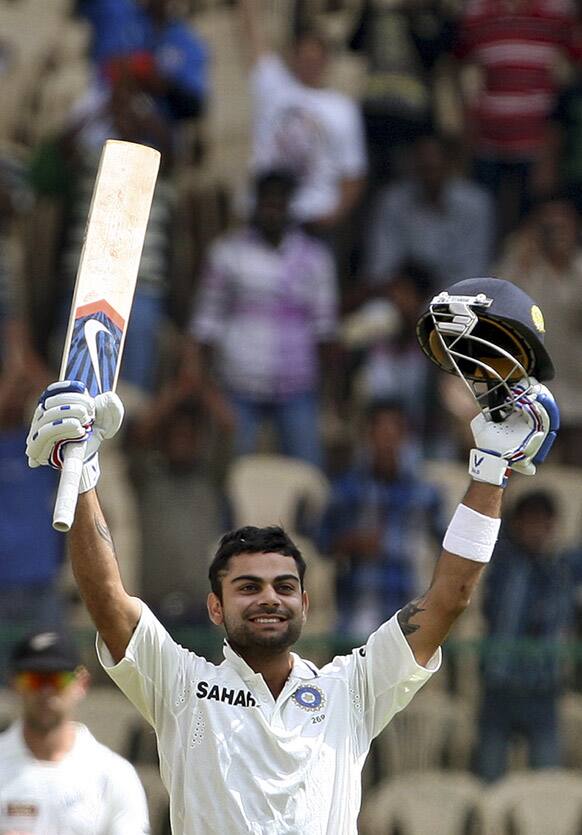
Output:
x=309 y=697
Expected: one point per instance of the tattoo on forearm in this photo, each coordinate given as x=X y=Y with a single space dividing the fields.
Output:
x=104 y=533
x=405 y=616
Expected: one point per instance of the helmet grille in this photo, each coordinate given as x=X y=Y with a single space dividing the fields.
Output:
x=481 y=345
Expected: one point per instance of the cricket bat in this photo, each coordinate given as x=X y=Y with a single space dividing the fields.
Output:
x=104 y=288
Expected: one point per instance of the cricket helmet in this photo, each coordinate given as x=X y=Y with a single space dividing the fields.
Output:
x=491 y=334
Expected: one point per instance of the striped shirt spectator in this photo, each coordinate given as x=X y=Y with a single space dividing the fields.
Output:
x=265 y=309
x=517 y=46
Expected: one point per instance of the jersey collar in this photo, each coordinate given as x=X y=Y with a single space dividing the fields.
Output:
x=301 y=668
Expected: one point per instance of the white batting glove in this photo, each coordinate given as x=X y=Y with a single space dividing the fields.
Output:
x=518 y=443
x=66 y=413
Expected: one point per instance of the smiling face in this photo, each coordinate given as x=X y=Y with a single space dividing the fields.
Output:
x=263 y=606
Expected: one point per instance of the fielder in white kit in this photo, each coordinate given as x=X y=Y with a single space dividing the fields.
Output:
x=265 y=742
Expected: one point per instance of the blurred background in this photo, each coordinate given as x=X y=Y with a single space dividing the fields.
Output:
x=328 y=166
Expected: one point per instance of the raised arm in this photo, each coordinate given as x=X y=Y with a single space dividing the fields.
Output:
x=427 y=621
x=67 y=413
x=253 y=31
x=519 y=442
x=113 y=611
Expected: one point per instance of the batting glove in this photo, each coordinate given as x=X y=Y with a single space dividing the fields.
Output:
x=520 y=442
x=66 y=413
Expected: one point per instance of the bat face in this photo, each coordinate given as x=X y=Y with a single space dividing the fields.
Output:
x=109 y=264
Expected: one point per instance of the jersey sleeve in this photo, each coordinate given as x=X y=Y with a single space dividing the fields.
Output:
x=385 y=676
x=154 y=670
x=126 y=801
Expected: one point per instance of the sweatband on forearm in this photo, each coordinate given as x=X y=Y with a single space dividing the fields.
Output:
x=471 y=534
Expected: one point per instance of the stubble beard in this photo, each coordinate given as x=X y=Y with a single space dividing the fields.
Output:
x=241 y=634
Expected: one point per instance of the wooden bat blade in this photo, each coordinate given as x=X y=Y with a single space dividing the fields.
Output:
x=109 y=264
x=104 y=288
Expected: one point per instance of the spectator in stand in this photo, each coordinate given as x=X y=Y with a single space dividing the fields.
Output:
x=516 y=44
x=388 y=365
x=544 y=257
x=31 y=552
x=300 y=124
x=379 y=511
x=435 y=217
x=528 y=607
x=55 y=778
x=148 y=43
x=266 y=313
x=402 y=42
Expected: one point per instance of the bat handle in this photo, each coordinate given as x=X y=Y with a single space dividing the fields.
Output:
x=68 y=491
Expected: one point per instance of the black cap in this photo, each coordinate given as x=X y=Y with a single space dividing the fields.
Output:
x=49 y=651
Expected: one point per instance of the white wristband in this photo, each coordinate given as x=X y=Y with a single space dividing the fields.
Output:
x=471 y=534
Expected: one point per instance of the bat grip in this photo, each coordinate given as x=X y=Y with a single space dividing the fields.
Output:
x=66 y=502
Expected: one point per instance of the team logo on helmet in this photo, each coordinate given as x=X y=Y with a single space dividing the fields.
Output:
x=537 y=318
x=309 y=697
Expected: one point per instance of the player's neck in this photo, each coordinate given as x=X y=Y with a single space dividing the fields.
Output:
x=274 y=668
x=49 y=745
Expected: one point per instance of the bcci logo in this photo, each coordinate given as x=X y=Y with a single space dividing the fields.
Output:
x=309 y=698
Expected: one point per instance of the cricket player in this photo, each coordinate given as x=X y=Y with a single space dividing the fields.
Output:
x=55 y=778
x=265 y=742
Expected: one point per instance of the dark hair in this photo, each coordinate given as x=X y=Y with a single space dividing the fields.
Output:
x=309 y=32
x=252 y=540
x=535 y=501
x=280 y=178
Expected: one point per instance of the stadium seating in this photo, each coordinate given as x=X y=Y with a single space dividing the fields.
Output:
x=545 y=802
x=434 y=729
x=435 y=802
x=274 y=489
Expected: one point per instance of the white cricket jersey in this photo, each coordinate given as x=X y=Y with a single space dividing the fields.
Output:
x=91 y=791
x=236 y=760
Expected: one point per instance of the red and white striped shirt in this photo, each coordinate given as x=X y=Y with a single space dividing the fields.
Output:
x=517 y=45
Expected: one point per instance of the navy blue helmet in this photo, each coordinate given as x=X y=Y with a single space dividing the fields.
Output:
x=490 y=333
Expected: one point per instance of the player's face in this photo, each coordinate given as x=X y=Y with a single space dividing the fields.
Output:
x=263 y=606
x=49 y=699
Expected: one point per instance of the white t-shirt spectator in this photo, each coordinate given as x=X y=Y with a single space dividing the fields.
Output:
x=316 y=133
x=91 y=791
x=235 y=759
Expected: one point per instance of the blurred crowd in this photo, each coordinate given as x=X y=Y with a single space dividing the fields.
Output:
x=386 y=151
